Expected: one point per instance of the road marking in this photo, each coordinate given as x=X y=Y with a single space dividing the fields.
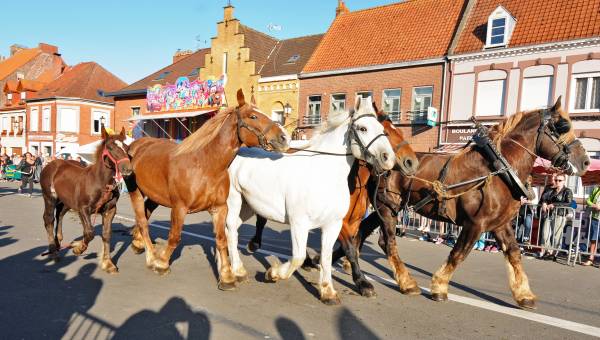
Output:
x=519 y=313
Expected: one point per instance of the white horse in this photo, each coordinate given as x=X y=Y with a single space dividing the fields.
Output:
x=307 y=189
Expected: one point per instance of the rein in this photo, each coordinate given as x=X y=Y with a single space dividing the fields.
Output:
x=117 y=175
x=260 y=135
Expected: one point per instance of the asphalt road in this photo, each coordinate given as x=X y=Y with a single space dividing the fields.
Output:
x=74 y=299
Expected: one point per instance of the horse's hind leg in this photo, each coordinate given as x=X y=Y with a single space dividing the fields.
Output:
x=53 y=245
x=517 y=279
x=406 y=282
x=233 y=223
x=439 y=283
x=161 y=263
x=105 y=261
x=255 y=243
x=137 y=202
x=61 y=210
x=79 y=247
x=137 y=242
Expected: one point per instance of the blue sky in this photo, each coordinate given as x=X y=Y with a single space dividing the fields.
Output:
x=133 y=38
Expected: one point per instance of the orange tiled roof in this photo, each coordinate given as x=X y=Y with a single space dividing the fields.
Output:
x=538 y=21
x=22 y=57
x=83 y=80
x=405 y=31
x=10 y=86
x=30 y=85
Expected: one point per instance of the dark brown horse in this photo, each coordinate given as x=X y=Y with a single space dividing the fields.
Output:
x=406 y=163
x=86 y=190
x=489 y=207
x=192 y=177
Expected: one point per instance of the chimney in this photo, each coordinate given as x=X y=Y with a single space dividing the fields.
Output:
x=341 y=8
x=181 y=54
x=228 y=12
x=46 y=48
x=16 y=48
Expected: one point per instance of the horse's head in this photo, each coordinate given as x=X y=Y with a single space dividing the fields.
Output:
x=257 y=129
x=114 y=152
x=556 y=141
x=406 y=159
x=365 y=133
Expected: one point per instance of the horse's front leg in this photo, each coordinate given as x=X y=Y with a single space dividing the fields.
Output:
x=346 y=239
x=137 y=242
x=299 y=234
x=466 y=240
x=161 y=263
x=329 y=235
x=406 y=283
x=226 y=278
x=105 y=261
x=79 y=247
x=517 y=279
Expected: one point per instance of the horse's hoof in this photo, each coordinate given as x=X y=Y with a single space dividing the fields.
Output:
x=527 y=304
x=439 y=297
x=242 y=278
x=366 y=289
x=111 y=269
x=270 y=277
x=333 y=301
x=162 y=271
x=252 y=247
x=226 y=286
x=136 y=249
x=411 y=291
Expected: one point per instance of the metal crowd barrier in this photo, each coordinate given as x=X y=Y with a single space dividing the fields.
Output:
x=571 y=244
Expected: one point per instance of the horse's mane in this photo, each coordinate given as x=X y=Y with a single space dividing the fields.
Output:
x=205 y=134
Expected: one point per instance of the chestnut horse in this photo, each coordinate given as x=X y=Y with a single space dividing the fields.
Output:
x=406 y=162
x=491 y=207
x=87 y=190
x=192 y=177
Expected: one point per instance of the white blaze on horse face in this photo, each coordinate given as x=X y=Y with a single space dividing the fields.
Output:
x=120 y=144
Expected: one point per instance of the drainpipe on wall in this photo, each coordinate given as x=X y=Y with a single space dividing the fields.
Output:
x=444 y=100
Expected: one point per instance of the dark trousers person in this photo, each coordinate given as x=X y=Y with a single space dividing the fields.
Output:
x=26 y=179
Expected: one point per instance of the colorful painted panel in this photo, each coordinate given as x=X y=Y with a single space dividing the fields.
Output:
x=186 y=95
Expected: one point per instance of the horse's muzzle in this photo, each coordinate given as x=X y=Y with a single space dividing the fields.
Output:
x=408 y=166
x=281 y=143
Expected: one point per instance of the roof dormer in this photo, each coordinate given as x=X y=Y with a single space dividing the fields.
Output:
x=500 y=26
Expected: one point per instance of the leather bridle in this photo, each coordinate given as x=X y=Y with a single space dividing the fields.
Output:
x=260 y=135
x=561 y=158
x=116 y=162
x=353 y=134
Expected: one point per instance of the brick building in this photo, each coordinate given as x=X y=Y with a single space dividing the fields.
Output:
x=263 y=66
x=22 y=75
x=394 y=53
x=69 y=111
x=512 y=55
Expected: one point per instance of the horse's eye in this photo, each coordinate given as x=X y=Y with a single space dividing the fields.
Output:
x=253 y=117
x=363 y=129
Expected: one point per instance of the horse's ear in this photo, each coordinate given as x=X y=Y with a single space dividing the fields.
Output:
x=104 y=133
x=558 y=105
x=240 y=98
x=122 y=134
x=357 y=101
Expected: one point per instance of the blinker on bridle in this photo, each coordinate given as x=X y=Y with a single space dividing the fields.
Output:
x=561 y=158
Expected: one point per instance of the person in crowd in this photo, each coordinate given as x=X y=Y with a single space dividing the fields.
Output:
x=81 y=162
x=594 y=203
x=526 y=216
x=480 y=244
x=543 y=215
x=554 y=207
x=5 y=161
x=38 y=167
x=27 y=168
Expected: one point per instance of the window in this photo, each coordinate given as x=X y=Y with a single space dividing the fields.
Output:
x=536 y=93
x=499 y=27
x=23 y=95
x=46 y=118
x=293 y=59
x=162 y=75
x=99 y=118
x=195 y=72
x=5 y=124
x=338 y=102
x=9 y=97
x=33 y=118
x=314 y=111
x=67 y=119
x=365 y=94
x=391 y=104
x=20 y=75
x=490 y=98
x=135 y=111
x=421 y=100
x=586 y=92
x=224 y=62
x=278 y=116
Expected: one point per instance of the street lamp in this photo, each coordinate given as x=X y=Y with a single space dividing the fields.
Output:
x=287 y=109
x=102 y=121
